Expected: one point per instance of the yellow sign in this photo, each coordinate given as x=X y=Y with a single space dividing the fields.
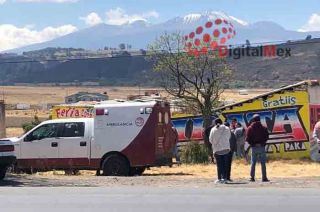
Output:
x=286 y=115
x=59 y=112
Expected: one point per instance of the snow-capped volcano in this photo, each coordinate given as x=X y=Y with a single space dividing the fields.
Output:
x=139 y=33
x=191 y=18
x=211 y=16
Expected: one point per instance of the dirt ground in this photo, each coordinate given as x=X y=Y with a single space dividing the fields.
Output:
x=286 y=173
x=14 y=131
x=35 y=95
x=43 y=95
x=240 y=169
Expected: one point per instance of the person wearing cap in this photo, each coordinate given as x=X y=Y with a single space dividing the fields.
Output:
x=257 y=137
x=219 y=138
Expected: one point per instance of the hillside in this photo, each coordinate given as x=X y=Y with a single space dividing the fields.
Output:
x=304 y=63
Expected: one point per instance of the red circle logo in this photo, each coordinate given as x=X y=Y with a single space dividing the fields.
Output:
x=139 y=121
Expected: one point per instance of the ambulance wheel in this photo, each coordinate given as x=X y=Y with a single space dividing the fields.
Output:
x=3 y=171
x=137 y=171
x=115 y=165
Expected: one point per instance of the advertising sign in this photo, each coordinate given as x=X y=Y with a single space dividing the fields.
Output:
x=286 y=115
x=59 y=112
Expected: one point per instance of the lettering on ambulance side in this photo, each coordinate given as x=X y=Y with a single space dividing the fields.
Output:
x=119 y=124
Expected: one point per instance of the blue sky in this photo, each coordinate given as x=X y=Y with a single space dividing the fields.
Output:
x=292 y=14
x=48 y=19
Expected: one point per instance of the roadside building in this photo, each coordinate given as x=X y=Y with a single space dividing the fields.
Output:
x=289 y=113
x=85 y=96
x=23 y=106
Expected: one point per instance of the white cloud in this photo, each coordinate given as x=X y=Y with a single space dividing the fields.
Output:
x=313 y=24
x=13 y=37
x=92 y=19
x=151 y=14
x=2 y=1
x=52 y=1
x=118 y=16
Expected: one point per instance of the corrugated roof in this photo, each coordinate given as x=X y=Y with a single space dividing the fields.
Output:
x=79 y=94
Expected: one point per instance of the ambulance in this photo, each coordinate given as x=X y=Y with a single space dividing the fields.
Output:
x=123 y=138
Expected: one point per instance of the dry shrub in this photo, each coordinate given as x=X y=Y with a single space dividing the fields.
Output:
x=194 y=153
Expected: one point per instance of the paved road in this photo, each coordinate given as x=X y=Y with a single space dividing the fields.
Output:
x=141 y=199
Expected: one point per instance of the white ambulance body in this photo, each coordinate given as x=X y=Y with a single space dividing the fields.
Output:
x=122 y=139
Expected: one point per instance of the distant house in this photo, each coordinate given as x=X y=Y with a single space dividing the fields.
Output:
x=243 y=92
x=22 y=106
x=85 y=96
x=90 y=83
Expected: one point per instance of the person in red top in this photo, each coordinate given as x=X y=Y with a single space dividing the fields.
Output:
x=257 y=137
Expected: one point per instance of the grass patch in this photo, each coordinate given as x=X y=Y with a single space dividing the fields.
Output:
x=194 y=153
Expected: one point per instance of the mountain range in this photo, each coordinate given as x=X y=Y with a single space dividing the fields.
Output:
x=304 y=62
x=129 y=70
x=140 y=33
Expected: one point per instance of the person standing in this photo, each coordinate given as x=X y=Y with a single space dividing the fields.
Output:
x=316 y=133
x=234 y=124
x=240 y=134
x=219 y=138
x=315 y=142
x=257 y=137
x=205 y=135
x=233 y=149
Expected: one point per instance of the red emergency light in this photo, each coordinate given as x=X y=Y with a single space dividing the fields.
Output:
x=101 y=112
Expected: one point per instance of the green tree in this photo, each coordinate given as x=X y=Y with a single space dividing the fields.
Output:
x=197 y=79
x=28 y=126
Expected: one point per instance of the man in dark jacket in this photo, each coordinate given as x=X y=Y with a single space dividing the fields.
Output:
x=257 y=136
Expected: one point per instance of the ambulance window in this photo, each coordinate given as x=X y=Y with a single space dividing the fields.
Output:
x=73 y=129
x=44 y=131
x=166 y=118
x=160 y=117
